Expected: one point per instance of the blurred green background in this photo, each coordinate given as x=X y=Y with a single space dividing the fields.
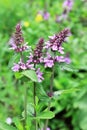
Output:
x=70 y=108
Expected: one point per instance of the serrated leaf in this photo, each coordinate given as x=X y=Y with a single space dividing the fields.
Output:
x=31 y=74
x=4 y=126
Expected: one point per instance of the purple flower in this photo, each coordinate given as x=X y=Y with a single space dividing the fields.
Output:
x=46 y=15
x=16 y=67
x=19 y=66
x=68 y=4
x=39 y=75
x=59 y=59
x=60 y=50
x=56 y=41
x=37 y=56
x=22 y=65
x=48 y=60
x=67 y=59
x=30 y=58
x=17 y=41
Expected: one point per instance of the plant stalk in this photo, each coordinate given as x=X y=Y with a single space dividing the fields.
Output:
x=51 y=92
x=25 y=108
x=35 y=114
x=25 y=99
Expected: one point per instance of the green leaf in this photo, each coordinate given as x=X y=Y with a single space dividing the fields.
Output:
x=4 y=126
x=30 y=110
x=18 y=75
x=61 y=92
x=31 y=75
x=45 y=115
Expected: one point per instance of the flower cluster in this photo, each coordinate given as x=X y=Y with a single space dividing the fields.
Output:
x=18 y=45
x=55 y=45
x=42 y=54
x=56 y=41
x=37 y=56
x=22 y=66
x=17 y=40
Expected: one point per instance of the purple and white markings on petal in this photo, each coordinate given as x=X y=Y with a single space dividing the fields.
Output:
x=61 y=50
x=48 y=60
x=59 y=59
x=54 y=47
x=39 y=75
x=47 y=45
x=67 y=60
x=16 y=67
x=22 y=65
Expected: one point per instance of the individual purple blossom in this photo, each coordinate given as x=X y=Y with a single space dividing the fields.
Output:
x=19 y=66
x=39 y=75
x=22 y=65
x=59 y=59
x=67 y=59
x=61 y=50
x=46 y=15
x=29 y=63
x=48 y=61
x=17 y=41
x=30 y=58
x=16 y=67
x=68 y=5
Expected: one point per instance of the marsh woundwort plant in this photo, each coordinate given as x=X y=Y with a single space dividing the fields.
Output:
x=46 y=54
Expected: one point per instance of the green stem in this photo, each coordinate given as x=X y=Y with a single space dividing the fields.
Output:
x=25 y=99
x=51 y=92
x=25 y=108
x=35 y=114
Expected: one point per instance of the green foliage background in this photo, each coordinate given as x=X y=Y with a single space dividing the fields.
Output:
x=70 y=107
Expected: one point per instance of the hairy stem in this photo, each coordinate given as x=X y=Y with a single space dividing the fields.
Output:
x=25 y=108
x=25 y=98
x=35 y=114
x=51 y=92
